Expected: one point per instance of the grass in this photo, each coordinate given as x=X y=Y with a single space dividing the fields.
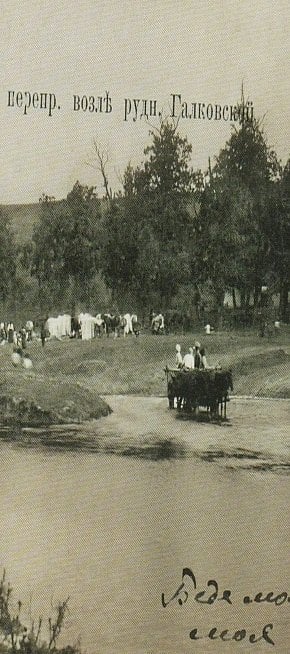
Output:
x=136 y=366
x=16 y=637
x=69 y=376
x=36 y=398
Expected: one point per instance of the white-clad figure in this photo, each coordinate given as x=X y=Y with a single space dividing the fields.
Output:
x=128 y=327
x=29 y=329
x=27 y=363
x=161 y=317
x=188 y=360
x=178 y=357
x=16 y=359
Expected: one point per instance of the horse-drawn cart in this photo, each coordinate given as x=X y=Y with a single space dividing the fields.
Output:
x=188 y=390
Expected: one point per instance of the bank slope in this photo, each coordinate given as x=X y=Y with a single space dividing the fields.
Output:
x=28 y=400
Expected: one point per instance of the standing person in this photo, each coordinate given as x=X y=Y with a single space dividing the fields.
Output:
x=188 y=360
x=43 y=334
x=23 y=336
x=204 y=364
x=3 y=334
x=10 y=330
x=197 y=357
x=29 y=330
x=178 y=357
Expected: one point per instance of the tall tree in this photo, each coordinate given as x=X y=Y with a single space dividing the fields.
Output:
x=284 y=245
x=66 y=246
x=277 y=231
x=168 y=180
x=234 y=209
x=7 y=257
x=148 y=229
x=119 y=247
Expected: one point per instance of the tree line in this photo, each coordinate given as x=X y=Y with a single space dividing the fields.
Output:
x=172 y=238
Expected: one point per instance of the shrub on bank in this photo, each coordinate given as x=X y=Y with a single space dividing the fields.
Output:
x=16 y=637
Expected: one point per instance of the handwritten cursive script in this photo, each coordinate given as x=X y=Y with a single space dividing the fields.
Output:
x=239 y=635
x=212 y=594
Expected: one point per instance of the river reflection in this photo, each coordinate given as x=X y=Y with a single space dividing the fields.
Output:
x=114 y=533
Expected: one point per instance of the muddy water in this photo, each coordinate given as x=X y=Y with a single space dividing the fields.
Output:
x=113 y=525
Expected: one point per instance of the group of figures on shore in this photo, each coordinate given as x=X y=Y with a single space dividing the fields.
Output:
x=171 y=322
x=17 y=340
x=16 y=337
x=86 y=326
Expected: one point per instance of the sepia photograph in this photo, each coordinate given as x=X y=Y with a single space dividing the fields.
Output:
x=144 y=327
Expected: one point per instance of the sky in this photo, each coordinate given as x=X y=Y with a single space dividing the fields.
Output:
x=202 y=50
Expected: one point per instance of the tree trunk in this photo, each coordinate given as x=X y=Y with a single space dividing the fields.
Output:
x=284 y=307
x=243 y=298
x=73 y=308
x=220 y=296
x=257 y=291
x=234 y=298
x=247 y=299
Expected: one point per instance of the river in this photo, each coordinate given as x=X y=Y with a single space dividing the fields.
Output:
x=114 y=532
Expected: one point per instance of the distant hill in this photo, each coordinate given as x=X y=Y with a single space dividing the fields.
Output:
x=23 y=217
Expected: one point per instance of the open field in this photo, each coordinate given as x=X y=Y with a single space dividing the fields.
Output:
x=68 y=376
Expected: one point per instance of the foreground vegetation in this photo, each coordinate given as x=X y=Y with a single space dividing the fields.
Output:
x=69 y=376
x=15 y=636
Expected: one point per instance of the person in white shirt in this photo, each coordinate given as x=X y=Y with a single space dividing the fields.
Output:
x=188 y=360
x=178 y=358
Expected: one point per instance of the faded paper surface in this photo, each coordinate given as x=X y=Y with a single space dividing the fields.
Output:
x=110 y=531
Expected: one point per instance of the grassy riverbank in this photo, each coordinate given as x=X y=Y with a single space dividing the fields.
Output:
x=136 y=366
x=29 y=397
x=69 y=376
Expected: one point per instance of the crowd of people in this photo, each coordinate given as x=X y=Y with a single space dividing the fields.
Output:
x=17 y=338
x=195 y=358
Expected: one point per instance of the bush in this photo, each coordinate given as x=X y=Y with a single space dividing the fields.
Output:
x=16 y=637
